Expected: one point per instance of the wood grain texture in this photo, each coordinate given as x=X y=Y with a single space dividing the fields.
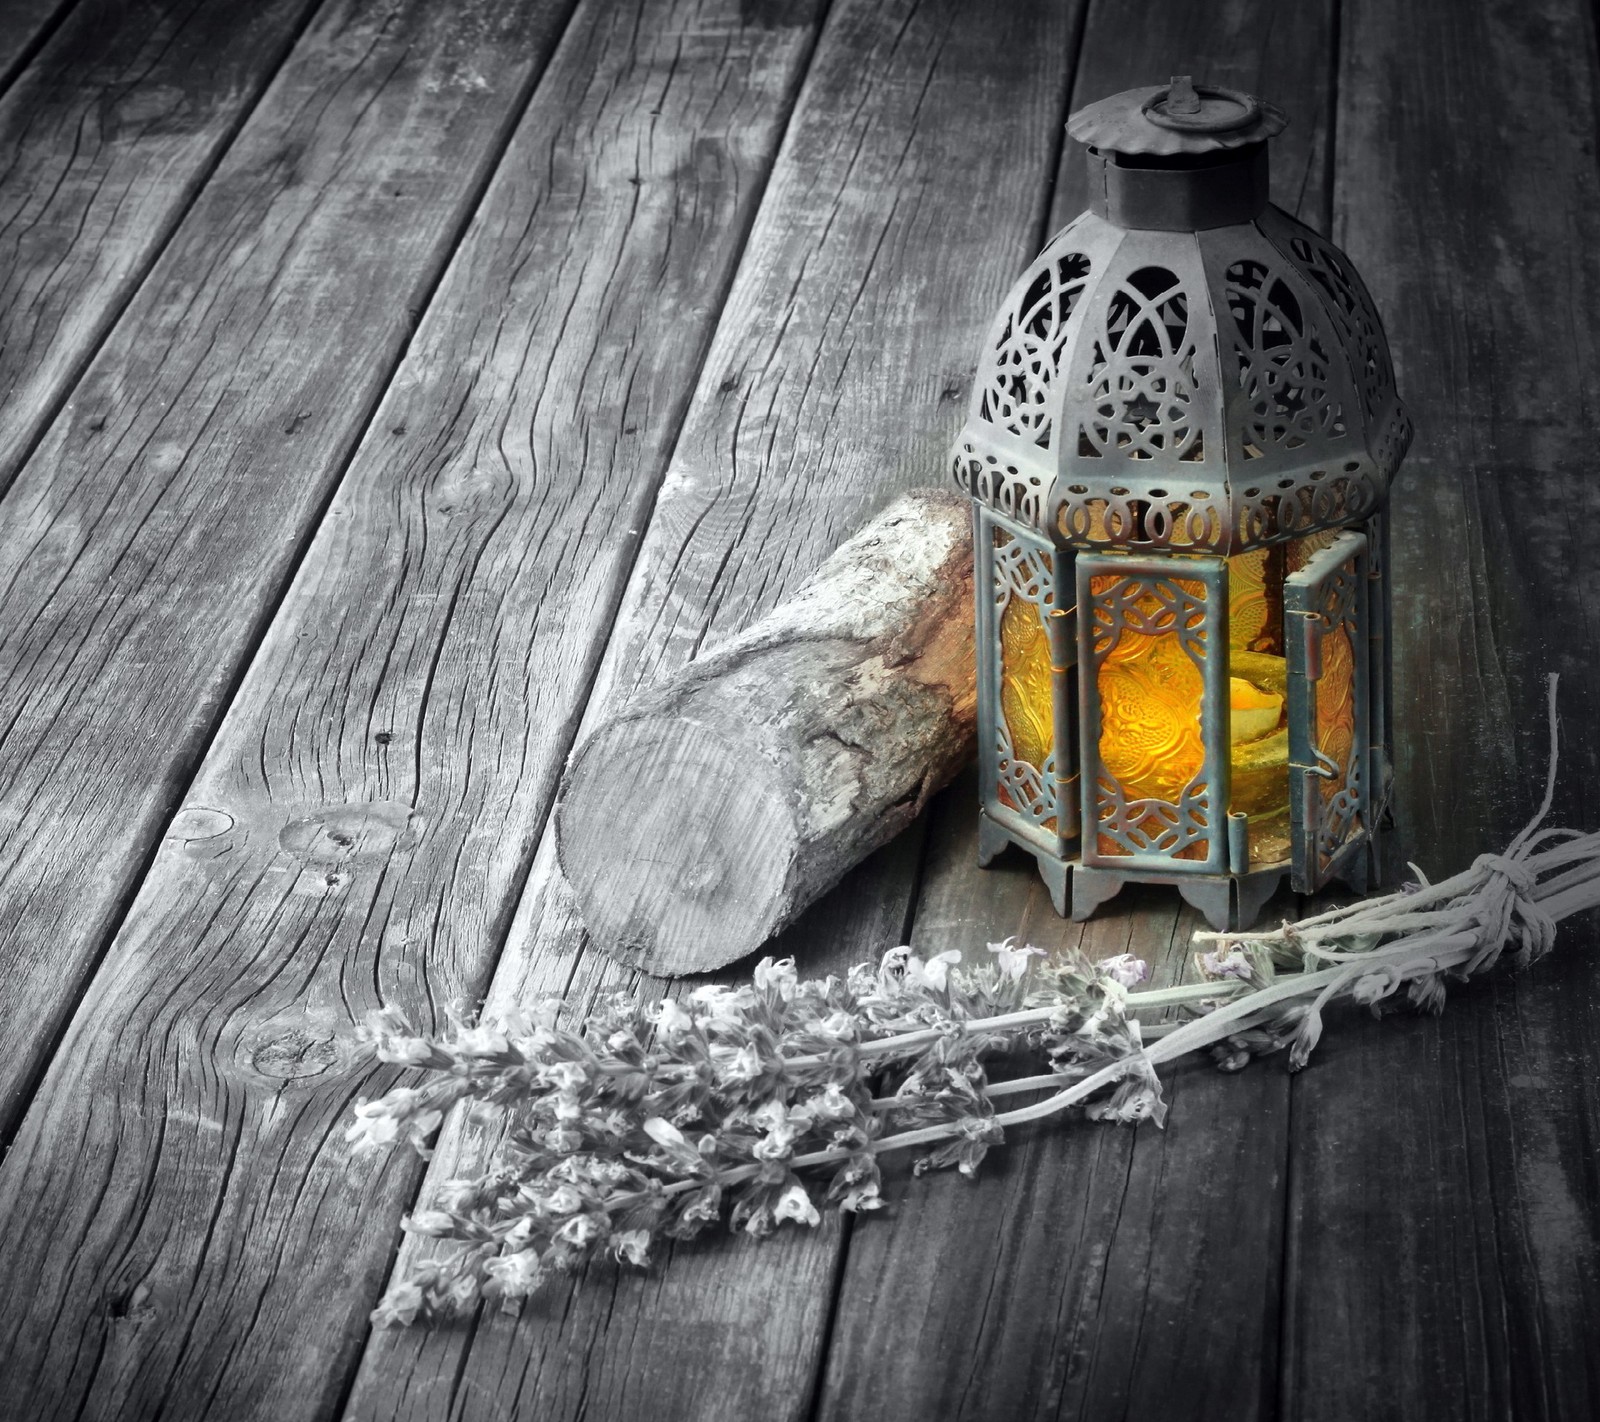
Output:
x=1089 y=1270
x=358 y=832
x=151 y=534
x=719 y=1327
x=104 y=141
x=25 y=26
x=835 y=380
x=709 y=813
x=1094 y=1272
x=1444 y=1238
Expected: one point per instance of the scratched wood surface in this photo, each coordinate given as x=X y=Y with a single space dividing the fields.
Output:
x=387 y=389
x=148 y=538
x=107 y=136
x=1444 y=1226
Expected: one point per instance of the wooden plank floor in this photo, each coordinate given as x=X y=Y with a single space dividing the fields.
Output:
x=389 y=387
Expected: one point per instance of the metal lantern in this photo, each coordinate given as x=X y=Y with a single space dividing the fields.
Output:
x=1182 y=430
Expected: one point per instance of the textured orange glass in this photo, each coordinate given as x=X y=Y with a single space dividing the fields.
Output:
x=1301 y=551
x=1248 y=611
x=1150 y=705
x=1025 y=687
x=1336 y=710
x=1258 y=697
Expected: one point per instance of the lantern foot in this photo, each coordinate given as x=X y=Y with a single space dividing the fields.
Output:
x=1055 y=875
x=1253 y=892
x=1231 y=905
x=1213 y=898
x=1090 y=889
x=991 y=840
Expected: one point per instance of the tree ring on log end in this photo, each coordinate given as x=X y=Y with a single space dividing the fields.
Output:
x=675 y=842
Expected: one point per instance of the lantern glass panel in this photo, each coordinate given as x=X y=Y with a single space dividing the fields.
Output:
x=1258 y=729
x=1329 y=722
x=1024 y=596
x=1155 y=709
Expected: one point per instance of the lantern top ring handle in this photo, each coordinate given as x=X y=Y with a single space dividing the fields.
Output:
x=1186 y=107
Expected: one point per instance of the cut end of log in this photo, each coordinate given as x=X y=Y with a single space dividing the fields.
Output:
x=677 y=865
x=718 y=805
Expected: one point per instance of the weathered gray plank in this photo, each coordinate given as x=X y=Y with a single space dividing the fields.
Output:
x=151 y=533
x=1445 y=1232
x=880 y=253
x=104 y=141
x=718 y=1328
x=361 y=826
x=1094 y=1271
x=24 y=27
x=1089 y=1270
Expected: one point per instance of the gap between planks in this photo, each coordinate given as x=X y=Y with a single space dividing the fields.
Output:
x=1445 y=1211
x=114 y=129
x=280 y=903
x=150 y=537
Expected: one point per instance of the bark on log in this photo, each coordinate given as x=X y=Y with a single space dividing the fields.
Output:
x=706 y=815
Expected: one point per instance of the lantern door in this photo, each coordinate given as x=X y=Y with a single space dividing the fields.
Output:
x=1153 y=649
x=1326 y=641
x=1026 y=657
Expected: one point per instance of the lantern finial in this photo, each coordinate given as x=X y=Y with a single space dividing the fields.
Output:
x=1177 y=118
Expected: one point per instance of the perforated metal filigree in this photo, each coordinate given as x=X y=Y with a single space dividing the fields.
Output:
x=1284 y=376
x=1151 y=692
x=1196 y=392
x=1360 y=333
x=1023 y=590
x=1027 y=349
x=1001 y=477
x=1141 y=380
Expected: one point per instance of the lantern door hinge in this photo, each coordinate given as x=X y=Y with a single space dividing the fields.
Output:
x=1313 y=648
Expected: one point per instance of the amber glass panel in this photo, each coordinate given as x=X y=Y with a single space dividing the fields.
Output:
x=1151 y=694
x=1255 y=601
x=1336 y=711
x=1025 y=686
x=1258 y=701
x=1248 y=610
x=1301 y=551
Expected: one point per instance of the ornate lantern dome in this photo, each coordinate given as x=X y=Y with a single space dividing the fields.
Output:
x=1185 y=367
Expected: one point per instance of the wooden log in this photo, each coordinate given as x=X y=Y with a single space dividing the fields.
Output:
x=704 y=817
x=810 y=413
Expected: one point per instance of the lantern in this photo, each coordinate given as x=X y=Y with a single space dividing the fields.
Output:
x=1182 y=429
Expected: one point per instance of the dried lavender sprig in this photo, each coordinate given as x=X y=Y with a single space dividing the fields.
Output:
x=934 y=1034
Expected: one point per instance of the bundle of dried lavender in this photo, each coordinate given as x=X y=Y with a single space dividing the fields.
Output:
x=766 y=1100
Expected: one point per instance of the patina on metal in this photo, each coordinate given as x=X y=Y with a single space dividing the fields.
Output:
x=1180 y=439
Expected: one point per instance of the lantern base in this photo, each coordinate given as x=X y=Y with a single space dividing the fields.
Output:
x=1056 y=872
x=1229 y=904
